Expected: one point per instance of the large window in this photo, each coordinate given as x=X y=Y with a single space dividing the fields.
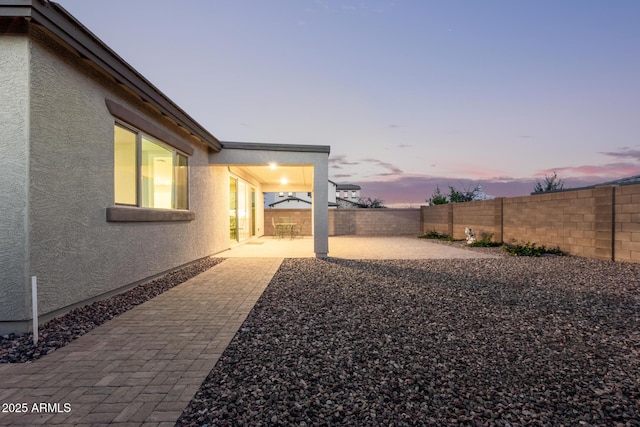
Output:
x=148 y=173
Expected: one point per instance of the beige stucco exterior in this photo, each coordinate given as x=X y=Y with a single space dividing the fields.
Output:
x=55 y=222
x=14 y=156
x=57 y=151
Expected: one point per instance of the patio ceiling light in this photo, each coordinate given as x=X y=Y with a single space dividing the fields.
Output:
x=283 y=181
x=273 y=165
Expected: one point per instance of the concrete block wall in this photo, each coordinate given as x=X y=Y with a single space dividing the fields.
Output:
x=354 y=222
x=601 y=222
x=437 y=218
x=565 y=220
x=342 y=222
x=627 y=223
x=374 y=222
x=484 y=217
x=297 y=215
x=603 y=227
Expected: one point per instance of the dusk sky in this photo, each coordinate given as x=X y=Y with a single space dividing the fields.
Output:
x=408 y=94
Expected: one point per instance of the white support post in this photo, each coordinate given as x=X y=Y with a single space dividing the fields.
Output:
x=34 y=305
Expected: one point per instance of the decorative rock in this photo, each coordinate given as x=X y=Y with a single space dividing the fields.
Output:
x=435 y=342
x=471 y=235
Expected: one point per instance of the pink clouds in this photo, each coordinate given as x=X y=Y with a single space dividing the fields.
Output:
x=628 y=165
x=388 y=182
x=416 y=189
x=610 y=170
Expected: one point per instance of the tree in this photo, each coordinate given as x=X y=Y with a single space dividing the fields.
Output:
x=437 y=198
x=551 y=183
x=455 y=196
x=464 y=195
x=372 y=203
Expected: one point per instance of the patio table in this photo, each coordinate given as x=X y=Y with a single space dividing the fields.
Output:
x=284 y=227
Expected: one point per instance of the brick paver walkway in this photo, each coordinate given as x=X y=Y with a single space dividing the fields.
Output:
x=143 y=367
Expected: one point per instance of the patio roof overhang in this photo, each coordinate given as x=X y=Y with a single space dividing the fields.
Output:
x=282 y=167
x=279 y=177
x=277 y=171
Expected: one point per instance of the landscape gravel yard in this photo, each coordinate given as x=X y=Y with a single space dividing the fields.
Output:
x=509 y=341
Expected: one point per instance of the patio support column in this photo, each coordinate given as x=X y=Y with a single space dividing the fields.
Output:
x=321 y=208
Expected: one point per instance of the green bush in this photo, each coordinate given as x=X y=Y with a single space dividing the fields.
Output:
x=433 y=234
x=485 y=241
x=530 y=249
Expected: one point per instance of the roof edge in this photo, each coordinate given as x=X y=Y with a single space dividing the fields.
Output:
x=290 y=199
x=348 y=187
x=277 y=147
x=65 y=26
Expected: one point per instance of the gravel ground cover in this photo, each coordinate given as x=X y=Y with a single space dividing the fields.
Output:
x=511 y=341
x=462 y=244
x=58 y=332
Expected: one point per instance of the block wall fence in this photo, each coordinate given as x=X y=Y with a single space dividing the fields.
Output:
x=601 y=222
x=353 y=222
x=299 y=216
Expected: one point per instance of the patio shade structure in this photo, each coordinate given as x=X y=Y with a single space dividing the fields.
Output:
x=285 y=167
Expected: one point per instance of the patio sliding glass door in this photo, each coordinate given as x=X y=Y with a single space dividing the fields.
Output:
x=241 y=209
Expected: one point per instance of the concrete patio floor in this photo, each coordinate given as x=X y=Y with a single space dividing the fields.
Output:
x=351 y=247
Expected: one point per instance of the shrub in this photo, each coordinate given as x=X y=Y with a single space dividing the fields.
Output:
x=485 y=241
x=433 y=234
x=530 y=249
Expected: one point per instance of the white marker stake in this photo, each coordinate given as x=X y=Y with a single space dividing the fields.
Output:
x=34 y=304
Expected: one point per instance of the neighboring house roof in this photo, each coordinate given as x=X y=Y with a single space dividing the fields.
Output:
x=348 y=187
x=289 y=199
x=296 y=199
x=88 y=46
x=624 y=181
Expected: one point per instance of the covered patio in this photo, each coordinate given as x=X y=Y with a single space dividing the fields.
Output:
x=275 y=168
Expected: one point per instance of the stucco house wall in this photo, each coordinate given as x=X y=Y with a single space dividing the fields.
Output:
x=75 y=253
x=14 y=152
x=62 y=93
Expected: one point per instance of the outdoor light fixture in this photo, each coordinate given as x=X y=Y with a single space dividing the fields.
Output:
x=283 y=181
x=273 y=165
